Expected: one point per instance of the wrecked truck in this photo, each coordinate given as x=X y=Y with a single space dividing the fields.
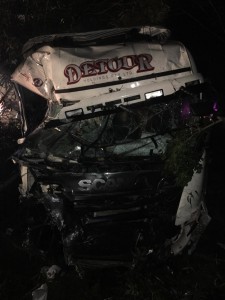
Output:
x=109 y=103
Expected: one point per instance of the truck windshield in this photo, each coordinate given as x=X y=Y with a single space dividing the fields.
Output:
x=130 y=132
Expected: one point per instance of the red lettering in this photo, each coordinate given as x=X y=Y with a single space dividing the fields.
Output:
x=114 y=64
x=128 y=62
x=88 y=69
x=101 y=65
x=91 y=68
x=73 y=73
x=144 y=63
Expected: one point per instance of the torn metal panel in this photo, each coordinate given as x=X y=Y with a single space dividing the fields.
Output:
x=12 y=119
x=192 y=215
x=192 y=196
x=190 y=233
x=11 y=110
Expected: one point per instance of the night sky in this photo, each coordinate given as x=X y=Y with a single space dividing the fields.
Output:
x=200 y=25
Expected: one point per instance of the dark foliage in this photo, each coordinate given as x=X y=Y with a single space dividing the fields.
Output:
x=23 y=19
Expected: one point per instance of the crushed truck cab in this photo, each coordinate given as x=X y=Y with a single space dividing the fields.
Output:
x=115 y=100
x=86 y=73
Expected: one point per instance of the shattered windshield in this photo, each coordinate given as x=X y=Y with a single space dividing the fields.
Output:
x=130 y=132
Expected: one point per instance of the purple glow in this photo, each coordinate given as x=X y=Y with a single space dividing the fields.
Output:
x=215 y=106
x=185 y=110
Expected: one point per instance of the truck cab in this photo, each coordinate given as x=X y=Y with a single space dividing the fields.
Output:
x=115 y=100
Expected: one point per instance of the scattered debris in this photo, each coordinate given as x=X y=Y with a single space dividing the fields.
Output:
x=41 y=293
x=52 y=272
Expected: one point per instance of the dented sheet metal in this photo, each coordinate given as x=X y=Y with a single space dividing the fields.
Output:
x=115 y=100
x=77 y=73
x=103 y=36
x=11 y=111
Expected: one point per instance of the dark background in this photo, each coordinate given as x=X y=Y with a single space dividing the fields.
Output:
x=200 y=25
